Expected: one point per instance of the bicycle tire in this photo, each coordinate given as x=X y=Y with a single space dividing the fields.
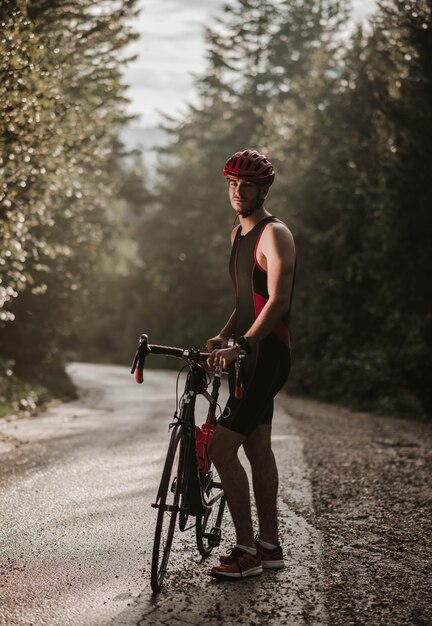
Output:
x=168 y=496
x=214 y=501
x=183 y=517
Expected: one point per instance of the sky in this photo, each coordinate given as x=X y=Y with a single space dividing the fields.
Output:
x=171 y=50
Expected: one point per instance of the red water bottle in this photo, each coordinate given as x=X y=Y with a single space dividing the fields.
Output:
x=203 y=437
x=199 y=441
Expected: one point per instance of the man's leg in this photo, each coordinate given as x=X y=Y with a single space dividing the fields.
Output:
x=265 y=480
x=223 y=452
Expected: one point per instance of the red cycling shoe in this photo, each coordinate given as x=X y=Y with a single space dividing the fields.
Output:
x=238 y=563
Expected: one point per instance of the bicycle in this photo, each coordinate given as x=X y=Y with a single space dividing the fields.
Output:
x=190 y=486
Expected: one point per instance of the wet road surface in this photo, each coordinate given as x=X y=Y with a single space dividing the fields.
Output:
x=77 y=527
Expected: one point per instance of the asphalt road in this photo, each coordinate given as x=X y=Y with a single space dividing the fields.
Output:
x=77 y=528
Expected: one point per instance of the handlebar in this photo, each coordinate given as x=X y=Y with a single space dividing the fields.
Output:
x=188 y=354
x=145 y=348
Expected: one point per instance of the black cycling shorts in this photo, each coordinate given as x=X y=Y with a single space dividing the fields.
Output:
x=266 y=371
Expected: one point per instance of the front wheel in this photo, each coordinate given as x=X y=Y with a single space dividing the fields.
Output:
x=168 y=504
x=208 y=526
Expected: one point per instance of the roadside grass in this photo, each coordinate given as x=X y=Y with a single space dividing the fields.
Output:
x=26 y=396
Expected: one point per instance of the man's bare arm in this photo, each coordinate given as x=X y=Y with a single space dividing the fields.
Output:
x=277 y=247
x=222 y=338
x=227 y=329
x=278 y=252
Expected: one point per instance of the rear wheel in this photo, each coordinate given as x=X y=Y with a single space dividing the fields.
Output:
x=168 y=504
x=208 y=527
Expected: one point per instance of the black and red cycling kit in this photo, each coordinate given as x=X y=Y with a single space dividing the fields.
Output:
x=267 y=367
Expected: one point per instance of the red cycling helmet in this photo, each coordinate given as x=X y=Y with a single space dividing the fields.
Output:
x=251 y=165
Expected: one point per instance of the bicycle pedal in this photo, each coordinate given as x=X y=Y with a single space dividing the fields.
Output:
x=214 y=537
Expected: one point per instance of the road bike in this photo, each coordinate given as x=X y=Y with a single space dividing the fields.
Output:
x=190 y=486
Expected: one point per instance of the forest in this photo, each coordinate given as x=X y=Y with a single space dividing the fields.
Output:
x=95 y=251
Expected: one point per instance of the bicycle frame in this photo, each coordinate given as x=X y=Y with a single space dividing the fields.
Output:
x=191 y=500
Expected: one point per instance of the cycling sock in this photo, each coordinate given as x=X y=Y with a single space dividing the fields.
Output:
x=268 y=546
x=249 y=549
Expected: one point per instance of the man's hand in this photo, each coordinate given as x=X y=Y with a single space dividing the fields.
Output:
x=223 y=358
x=219 y=341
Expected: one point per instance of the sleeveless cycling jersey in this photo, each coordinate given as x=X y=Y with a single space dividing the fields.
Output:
x=267 y=367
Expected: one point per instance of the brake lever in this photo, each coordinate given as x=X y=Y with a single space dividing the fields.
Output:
x=239 y=365
x=139 y=359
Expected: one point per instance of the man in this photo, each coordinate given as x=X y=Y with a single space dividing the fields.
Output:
x=262 y=267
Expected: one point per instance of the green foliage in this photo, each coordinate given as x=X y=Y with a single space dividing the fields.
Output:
x=114 y=313
x=27 y=396
x=365 y=215
x=61 y=106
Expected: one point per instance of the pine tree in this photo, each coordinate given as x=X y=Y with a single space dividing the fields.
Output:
x=361 y=199
x=403 y=33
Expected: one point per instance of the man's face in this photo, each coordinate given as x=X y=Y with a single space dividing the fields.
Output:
x=245 y=196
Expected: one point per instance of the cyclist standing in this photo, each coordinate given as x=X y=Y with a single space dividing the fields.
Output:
x=262 y=267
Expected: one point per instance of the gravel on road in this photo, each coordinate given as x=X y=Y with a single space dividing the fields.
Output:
x=372 y=496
